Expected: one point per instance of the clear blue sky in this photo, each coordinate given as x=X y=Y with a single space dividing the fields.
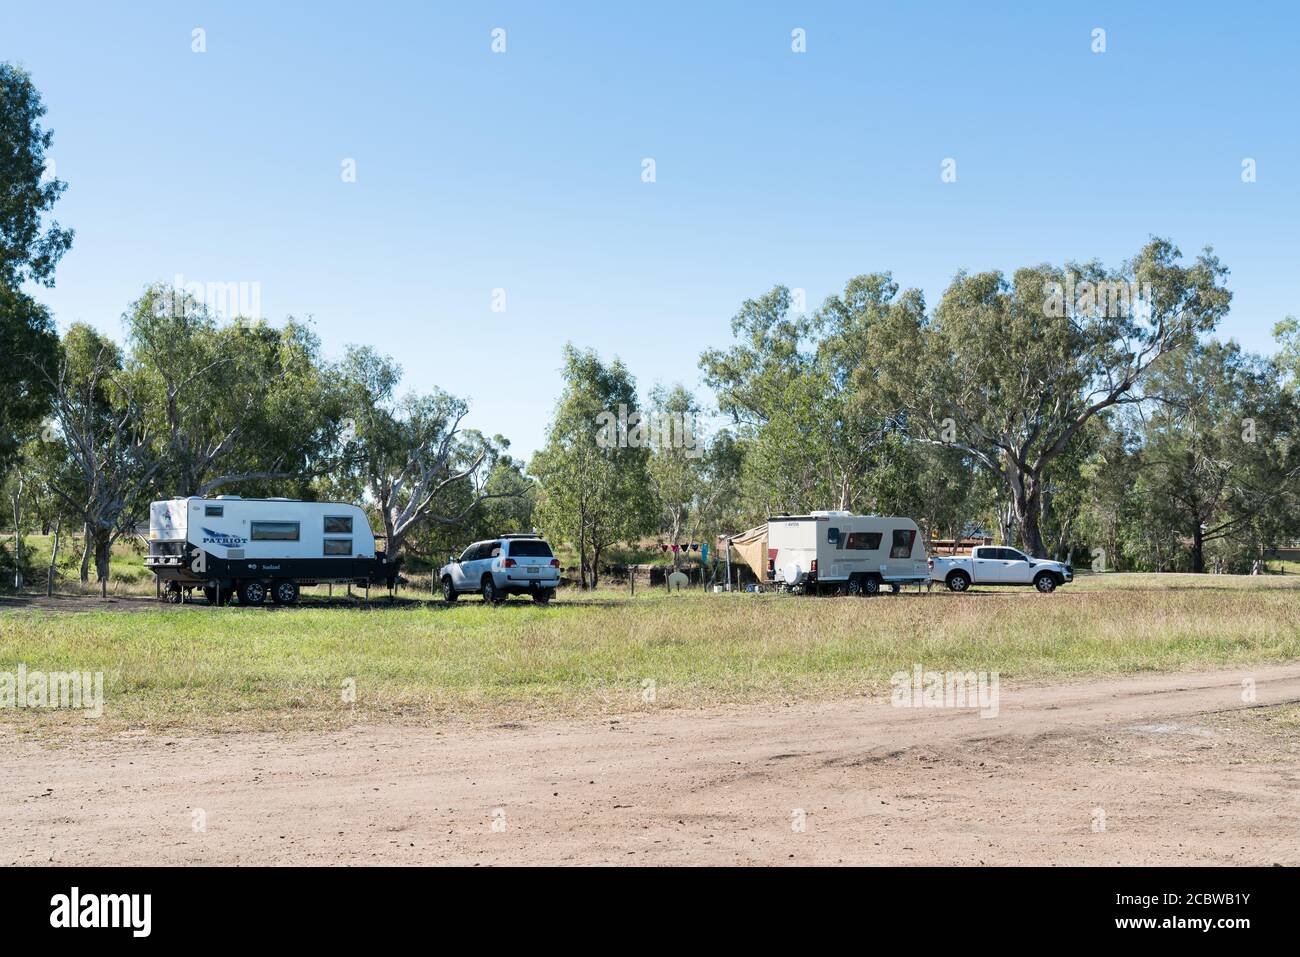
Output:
x=522 y=170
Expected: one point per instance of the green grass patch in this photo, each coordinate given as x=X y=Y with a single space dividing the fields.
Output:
x=201 y=668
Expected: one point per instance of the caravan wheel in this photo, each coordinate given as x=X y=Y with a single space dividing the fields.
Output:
x=871 y=586
x=252 y=593
x=285 y=593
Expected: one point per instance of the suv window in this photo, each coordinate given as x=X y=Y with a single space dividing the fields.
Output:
x=903 y=538
x=530 y=548
x=469 y=554
x=491 y=550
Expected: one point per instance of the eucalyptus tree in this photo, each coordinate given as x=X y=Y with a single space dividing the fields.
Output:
x=99 y=457
x=411 y=455
x=1010 y=372
x=243 y=403
x=1220 y=454
x=596 y=489
x=790 y=384
x=30 y=248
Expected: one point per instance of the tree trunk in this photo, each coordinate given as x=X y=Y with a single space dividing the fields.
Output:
x=1031 y=538
x=595 y=565
x=103 y=550
x=1026 y=500
x=18 y=535
x=85 y=554
x=1198 y=549
x=582 y=555
x=54 y=559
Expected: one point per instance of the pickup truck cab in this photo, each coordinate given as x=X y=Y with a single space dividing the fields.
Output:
x=998 y=565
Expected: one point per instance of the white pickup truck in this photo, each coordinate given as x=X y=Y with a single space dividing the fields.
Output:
x=997 y=565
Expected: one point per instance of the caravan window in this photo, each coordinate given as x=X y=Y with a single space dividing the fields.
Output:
x=338 y=546
x=903 y=538
x=338 y=524
x=213 y=511
x=864 y=541
x=273 y=531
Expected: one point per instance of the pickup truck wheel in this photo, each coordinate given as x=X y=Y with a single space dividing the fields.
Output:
x=448 y=589
x=958 y=581
x=1045 y=582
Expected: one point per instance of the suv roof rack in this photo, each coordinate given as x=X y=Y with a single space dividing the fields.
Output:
x=520 y=535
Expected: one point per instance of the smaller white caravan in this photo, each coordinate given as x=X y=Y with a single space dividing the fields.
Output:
x=255 y=548
x=845 y=553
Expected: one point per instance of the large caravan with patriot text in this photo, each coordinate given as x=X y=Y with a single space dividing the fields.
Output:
x=255 y=548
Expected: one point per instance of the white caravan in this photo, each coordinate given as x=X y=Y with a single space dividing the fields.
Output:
x=252 y=548
x=845 y=553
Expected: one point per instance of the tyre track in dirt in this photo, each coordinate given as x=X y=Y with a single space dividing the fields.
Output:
x=870 y=783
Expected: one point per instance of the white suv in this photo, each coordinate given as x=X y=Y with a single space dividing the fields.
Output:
x=501 y=567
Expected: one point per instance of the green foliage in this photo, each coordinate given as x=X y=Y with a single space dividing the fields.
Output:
x=410 y=455
x=29 y=251
x=1012 y=372
x=596 y=489
x=244 y=404
x=30 y=347
x=29 y=248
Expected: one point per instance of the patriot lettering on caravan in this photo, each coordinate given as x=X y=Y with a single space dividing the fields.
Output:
x=102 y=910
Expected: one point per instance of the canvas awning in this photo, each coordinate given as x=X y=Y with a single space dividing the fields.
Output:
x=751 y=548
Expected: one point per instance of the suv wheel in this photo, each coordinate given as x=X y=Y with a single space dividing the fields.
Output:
x=490 y=594
x=448 y=589
x=543 y=595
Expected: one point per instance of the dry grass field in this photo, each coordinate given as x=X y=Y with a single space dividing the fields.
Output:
x=201 y=668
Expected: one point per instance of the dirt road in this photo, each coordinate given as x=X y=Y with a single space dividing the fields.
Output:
x=1162 y=769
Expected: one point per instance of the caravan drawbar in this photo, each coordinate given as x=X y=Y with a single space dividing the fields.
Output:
x=259 y=548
